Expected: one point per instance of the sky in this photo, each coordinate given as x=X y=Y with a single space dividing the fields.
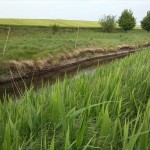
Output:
x=90 y=10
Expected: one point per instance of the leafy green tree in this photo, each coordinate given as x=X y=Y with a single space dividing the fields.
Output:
x=127 y=21
x=145 y=23
x=108 y=23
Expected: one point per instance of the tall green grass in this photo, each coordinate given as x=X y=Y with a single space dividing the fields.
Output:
x=35 y=43
x=105 y=110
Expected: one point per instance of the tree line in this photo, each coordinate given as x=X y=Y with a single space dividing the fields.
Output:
x=126 y=21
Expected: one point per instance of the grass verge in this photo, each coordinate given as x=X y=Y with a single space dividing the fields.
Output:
x=38 y=43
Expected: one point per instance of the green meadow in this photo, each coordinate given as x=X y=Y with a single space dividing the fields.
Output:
x=38 y=43
x=48 y=22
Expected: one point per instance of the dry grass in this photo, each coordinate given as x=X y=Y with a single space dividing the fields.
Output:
x=77 y=53
x=126 y=47
x=27 y=66
x=147 y=44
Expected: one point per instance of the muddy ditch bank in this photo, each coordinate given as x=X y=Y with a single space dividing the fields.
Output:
x=15 y=87
x=65 y=65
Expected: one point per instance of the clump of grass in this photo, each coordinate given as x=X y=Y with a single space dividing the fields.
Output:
x=109 y=109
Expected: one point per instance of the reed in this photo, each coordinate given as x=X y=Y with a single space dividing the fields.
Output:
x=108 y=109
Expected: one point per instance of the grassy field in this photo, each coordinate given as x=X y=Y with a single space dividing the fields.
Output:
x=109 y=109
x=35 y=43
x=48 y=22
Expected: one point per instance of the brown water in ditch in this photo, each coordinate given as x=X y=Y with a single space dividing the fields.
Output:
x=16 y=88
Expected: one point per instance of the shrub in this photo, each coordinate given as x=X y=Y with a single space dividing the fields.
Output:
x=126 y=20
x=55 y=28
x=108 y=23
x=145 y=23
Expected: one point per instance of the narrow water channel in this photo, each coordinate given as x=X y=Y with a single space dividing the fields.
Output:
x=17 y=88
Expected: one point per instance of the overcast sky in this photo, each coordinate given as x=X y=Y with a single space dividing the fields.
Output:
x=71 y=9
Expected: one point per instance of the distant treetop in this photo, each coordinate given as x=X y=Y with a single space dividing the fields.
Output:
x=127 y=21
x=145 y=23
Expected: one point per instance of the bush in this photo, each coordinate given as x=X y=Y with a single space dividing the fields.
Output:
x=108 y=23
x=126 y=20
x=145 y=23
x=55 y=28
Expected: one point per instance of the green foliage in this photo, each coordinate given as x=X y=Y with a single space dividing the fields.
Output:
x=145 y=23
x=55 y=28
x=126 y=20
x=108 y=23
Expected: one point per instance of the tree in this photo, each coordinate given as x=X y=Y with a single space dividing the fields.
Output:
x=145 y=23
x=126 y=20
x=108 y=23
